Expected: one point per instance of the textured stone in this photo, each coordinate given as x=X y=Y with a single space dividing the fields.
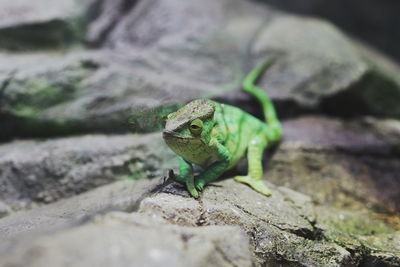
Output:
x=42 y=24
x=105 y=91
x=286 y=228
x=149 y=65
x=373 y=21
x=120 y=239
x=280 y=227
x=60 y=168
x=119 y=196
x=329 y=72
x=351 y=164
x=4 y=209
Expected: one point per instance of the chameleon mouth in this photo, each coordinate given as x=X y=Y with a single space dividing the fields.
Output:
x=171 y=134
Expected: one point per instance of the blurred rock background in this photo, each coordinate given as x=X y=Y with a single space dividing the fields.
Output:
x=83 y=89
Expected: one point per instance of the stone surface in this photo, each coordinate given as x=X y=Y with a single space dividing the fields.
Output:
x=365 y=235
x=140 y=64
x=42 y=24
x=373 y=21
x=349 y=164
x=4 y=209
x=315 y=62
x=121 y=239
x=331 y=72
x=105 y=91
x=285 y=228
x=282 y=229
x=60 y=168
x=119 y=196
x=150 y=65
x=365 y=135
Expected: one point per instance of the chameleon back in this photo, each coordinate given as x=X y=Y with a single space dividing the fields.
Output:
x=236 y=128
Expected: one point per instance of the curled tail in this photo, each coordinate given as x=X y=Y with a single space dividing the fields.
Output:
x=268 y=107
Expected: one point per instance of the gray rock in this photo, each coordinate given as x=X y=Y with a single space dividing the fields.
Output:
x=318 y=67
x=88 y=92
x=280 y=227
x=121 y=239
x=4 y=209
x=66 y=213
x=346 y=164
x=364 y=234
x=355 y=19
x=315 y=66
x=42 y=24
x=60 y=168
x=154 y=66
x=391 y=243
x=285 y=228
x=356 y=136
x=108 y=15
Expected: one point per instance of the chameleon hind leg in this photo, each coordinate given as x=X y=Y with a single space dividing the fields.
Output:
x=254 y=178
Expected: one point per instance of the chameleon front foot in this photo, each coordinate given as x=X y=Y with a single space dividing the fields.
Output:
x=200 y=184
x=257 y=185
x=192 y=190
x=188 y=181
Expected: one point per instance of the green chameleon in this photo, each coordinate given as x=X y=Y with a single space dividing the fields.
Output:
x=216 y=136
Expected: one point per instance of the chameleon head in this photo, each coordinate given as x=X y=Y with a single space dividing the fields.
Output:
x=187 y=131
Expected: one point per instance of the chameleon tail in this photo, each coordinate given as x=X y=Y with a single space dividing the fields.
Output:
x=268 y=107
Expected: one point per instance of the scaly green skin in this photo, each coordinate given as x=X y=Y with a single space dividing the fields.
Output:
x=216 y=136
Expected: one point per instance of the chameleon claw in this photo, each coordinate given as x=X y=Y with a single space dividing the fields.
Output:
x=192 y=190
x=194 y=193
x=200 y=184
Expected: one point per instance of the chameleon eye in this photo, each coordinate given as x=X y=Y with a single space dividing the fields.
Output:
x=196 y=127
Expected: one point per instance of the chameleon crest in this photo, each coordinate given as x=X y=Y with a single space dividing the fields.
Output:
x=197 y=109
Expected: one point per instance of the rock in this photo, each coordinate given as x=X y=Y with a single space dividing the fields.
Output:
x=361 y=233
x=391 y=255
x=347 y=164
x=109 y=13
x=285 y=228
x=66 y=213
x=43 y=24
x=318 y=67
x=314 y=72
x=90 y=92
x=4 y=209
x=355 y=19
x=145 y=68
x=121 y=239
x=355 y=136
x=280 y=227
x=65 y=167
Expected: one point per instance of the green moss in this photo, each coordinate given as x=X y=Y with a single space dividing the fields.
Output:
x=347 y=241
x=41 y=95
x=384 y=242
x=53 y=34
x=25 y=111
x=137 y=171
x=360 y=226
